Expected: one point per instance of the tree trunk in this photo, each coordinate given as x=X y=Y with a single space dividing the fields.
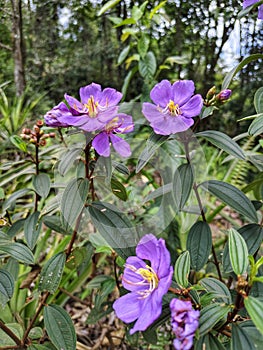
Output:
x=18 y=47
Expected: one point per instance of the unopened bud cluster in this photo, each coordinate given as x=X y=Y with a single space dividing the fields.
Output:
x=36 y=135
x=214 y=99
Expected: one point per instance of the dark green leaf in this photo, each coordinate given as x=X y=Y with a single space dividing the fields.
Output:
x=6 y=287
x=114 y=227
x=14 y=196
x=254 y=307
x=182 y=269
x=240 y=339
x=148 y=65
x=73 y=201
x=60 y=328
x=232 y=196
x=31 y=229
x=214 y=285
x=19 y=252
x=16 y=228
x=258 y=100
x=182 y=184
x=238 y=252
x=54 y=222
x=41 y=185
x=256 y=127
x=207 y=111
x=210 y=316
x=224 y=142
x=118 y=189
x=253 y=333
x=209 y=342
x=150 y=336
x=152 y=144
x=143 y=45
x=242 y=64
x=199 y=244
x=253 y=235
x=67 y=159
x=51 y=273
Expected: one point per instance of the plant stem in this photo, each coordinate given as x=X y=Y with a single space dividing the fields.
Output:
x=37 y=197
x=10 y=334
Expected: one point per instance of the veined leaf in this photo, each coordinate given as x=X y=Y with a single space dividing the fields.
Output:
x=210 y=315
x=254 y=307
x=51 y=273
x=60 y=328
x=209 y=342
x=182 y=184
x=240 y=339
x=238 y=252
x=31 y=230
x=256 y=127
x=199 y=244
x=224 y=142
x=148 y=65
x=182 y=269
x=232 y=196
x=6 y=287
x=258 y=100
x=214 y=285
x=19 y=252
x=41 y=185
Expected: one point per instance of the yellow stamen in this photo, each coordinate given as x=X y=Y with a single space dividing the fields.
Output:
x=174 y=108
x=113 y=124
x=92 y=107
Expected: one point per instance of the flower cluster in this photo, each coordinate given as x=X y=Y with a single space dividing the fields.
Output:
x=97 y=111
x=184 y=323
x=36 y=135
x=247 y=3
x=147 y=283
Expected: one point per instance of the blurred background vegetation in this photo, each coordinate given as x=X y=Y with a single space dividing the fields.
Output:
x=49 y=47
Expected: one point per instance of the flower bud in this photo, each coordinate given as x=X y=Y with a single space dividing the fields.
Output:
x=40 y=123
x=52 y=135
x=36 y=129
x=224 y=95
x=42 y=142
x=211 y=92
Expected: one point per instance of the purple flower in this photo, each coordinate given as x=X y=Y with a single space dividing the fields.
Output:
x=184 y=323
x=120 y=124
x=247 y=3
x=147 y=283
x=174 y=107
x=55 y=116
x=224 y=95
x=95 y=108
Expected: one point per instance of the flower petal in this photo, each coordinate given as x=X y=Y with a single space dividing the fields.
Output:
x=73 y=120
x=171 y=125
x=151 y=310
x=101 y=144
x=130 y=278
x=86 y=92
x=151 y=112
x=161 y=93
x=148 y=249
x=120 y=145
x=109 y=97
x=247 y=3
x=260 y=12
x=193 y=107
x=128 y=307
x=126 y=122
x=164 y=259
x=75 y=104
x=182 y=91
x=104 y=116
x=92 y=124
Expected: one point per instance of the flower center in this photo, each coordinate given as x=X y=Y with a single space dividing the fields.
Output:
x=149 y=279
x=92 y=107
x=113 y=124
x=173 y=108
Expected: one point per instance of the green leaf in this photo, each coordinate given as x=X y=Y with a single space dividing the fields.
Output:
x=143 y=45
x=207 y=111
x=210 y=316
x=148 y=65
x=240 y=339
x=182 y=184
x=199 y=244
x=254 y=307
x=156 y=8
x=51 y=273
x=41 y=184
x=114 y=227
x=182 y=269
x=54 y=222
x=118 y=189
x=152 y=144
x=242 y=64
x=6 y=287
x=214 y=285
x=124 y=53
x=2 y=193
x=224 y=142
x=67 y=160
x=238 y=252
x=14 y=196
x=31 y=230
x=60 y=328
x=252 y=332
x=5 y=340
x=73 y=201
x=258 y=100
x=150 y=336
x=19 y=143
x=36 y=333
x=19 y=252
x=256 y=127
x=232 y=196
x=209 y=342
x=108 y=6
x=136 y=13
